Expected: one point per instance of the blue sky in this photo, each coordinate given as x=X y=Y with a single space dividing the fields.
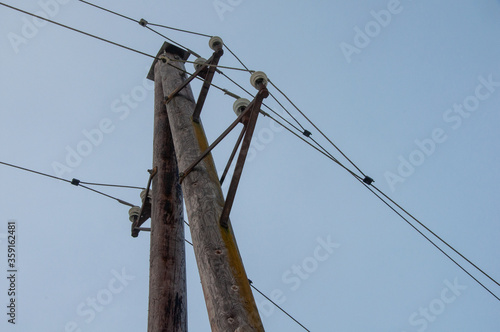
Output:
x=409 y=90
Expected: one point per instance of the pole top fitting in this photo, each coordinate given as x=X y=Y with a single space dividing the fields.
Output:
x=167 y=48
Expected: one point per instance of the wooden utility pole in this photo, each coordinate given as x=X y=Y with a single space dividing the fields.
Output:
x=228 y=296
x=167 y=279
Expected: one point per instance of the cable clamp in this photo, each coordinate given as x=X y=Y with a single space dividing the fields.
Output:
x=75 y=182
x=368 y=180
x=307 y=133
x=143 y=22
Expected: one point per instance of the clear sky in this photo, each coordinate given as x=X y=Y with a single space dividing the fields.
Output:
x=409 y=90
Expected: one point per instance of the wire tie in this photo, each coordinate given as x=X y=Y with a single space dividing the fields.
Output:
x=75 y=182
x=143 y=22
x=368 y=180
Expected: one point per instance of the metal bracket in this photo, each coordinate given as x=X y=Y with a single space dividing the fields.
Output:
x=206 y=71
x=253 y=110
x=182 y=175
x=145 y=213
x=206 y=84
x=249 y=119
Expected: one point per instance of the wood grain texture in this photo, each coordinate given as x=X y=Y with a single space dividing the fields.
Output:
x=167 y=282
x=229 y=299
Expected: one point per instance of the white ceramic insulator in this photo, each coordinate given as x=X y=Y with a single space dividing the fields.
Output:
x=199 y=62
x=134 y=213
x=240 y=105
x=258 y=78
x=215 y=42
x=143 y=193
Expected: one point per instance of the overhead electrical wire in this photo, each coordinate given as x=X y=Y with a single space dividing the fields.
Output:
x=75 y=182
x=277 y=306
x=181 y=30
x=330 y=156
x=109 y=11
x=111 y=185
x=287 y=98
x=145 y=24
x=88 y=188
x=315 y=127
x=437 y=236
x=216 y=66
x=173 y=41
x=139 y=22
x=360 y=179
x=76 y=30
x=434 y=244
x=265 y=296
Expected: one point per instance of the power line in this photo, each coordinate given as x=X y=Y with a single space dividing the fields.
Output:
x=325 y=152
x=111 y=185
x=253 y=96
x=437 y=236
x=109 y=11
x=133 y=50
x=181 y=30
x=238 y=59
x=328 y=155
x=265 y=296
x=173 y=41
x=357 y=177
x=142 y=21
x=430 y=241
x=79 y=31
x=277 y=306
x=101 y=193
x=74 y=182
x=279 y=103
x=216 y=66
x=290 y=101
x=145 y=24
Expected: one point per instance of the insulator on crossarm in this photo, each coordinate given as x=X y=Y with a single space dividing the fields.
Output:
x=258 y=79
x=240 y=105
x=134 y=213
x=199 y=62
x=215 y=43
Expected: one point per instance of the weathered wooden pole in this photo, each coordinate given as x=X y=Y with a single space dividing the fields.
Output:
x=167 y=280
x=228 y=296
